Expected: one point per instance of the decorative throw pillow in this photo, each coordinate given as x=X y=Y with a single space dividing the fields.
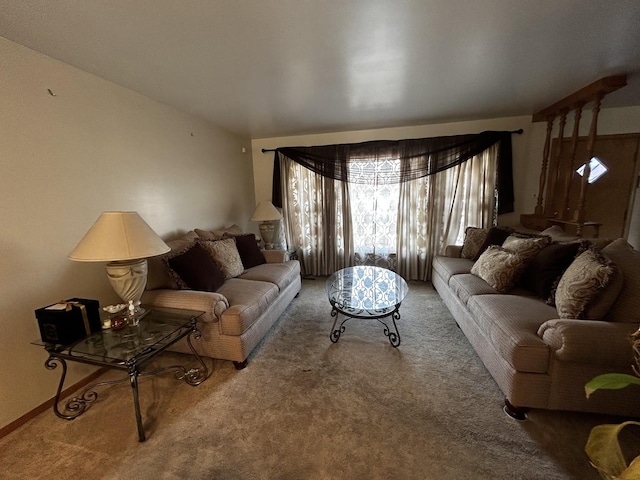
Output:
x=500 y=268
x=160 y=275
x=581 y=283
x=230 y=231
x=225 y=253
x=527 y=246
x=547 y=266
x=495 y=236
x=627 y=306
x=196 y=270
x=249 y=251
x=473 y=239
x=206 y=235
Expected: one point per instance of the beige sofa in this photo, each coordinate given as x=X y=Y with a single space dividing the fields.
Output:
x=538 y=359
x=240 y=312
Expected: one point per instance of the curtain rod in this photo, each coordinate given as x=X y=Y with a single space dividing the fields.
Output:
x=266 y=150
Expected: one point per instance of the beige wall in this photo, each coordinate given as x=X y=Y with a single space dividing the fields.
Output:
x=527 y=148
x=64 y=159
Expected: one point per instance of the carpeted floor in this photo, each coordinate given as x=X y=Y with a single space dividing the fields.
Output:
x=305 y=408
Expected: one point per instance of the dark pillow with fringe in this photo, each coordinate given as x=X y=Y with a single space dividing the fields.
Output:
x=249 y=251
x=196 y=270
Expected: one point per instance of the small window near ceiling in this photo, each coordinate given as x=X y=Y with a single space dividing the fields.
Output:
x=598 y=169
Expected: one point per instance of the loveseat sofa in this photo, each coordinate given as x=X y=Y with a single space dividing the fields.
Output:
x=242 y=292
x=539 y=355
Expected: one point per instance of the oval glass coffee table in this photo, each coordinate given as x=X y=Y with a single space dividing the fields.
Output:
x=366 y=292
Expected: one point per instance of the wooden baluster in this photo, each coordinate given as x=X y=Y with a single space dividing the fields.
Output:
x=545 y=160
x=580 y=212
x=551 y=208
x=564 y=214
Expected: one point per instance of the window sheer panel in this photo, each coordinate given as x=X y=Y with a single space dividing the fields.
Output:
x=434 y=212
x=337 y=224
x=317 y=218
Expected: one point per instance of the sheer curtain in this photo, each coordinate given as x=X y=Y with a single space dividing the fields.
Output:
x=394 y=203
x=317 y=218
x=323 y=216
x=434 y=211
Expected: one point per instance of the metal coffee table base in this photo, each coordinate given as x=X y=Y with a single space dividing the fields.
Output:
x=392 y=335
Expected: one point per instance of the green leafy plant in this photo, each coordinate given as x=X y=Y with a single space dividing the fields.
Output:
x=603 y=447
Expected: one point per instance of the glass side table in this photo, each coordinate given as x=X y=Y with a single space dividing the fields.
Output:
x=128 y=349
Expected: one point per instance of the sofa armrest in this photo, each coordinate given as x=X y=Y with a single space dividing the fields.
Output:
x=589 y=341
x=454 y=251
x=211 y=303
x=275 y=256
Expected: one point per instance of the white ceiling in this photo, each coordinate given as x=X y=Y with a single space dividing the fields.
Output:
x=268 y=68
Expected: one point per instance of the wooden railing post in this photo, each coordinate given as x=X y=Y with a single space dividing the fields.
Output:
x=545 y=161
x=580 y=212
x=565 y=214
x=551 y=207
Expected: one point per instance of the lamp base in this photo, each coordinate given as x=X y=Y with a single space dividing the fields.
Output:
x=128 y=279
x=266 y=232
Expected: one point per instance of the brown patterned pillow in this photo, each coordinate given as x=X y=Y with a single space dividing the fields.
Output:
x=473 y=239
x=500 y=268
x=527 y=246
x=225 y=254
x=206 y=234
x=582 y=283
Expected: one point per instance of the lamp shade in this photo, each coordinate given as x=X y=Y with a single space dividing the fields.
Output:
x=265 y=212
x=118 y=236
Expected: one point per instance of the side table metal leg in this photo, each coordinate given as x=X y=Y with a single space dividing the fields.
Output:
x=196 y=376
x=74 y=407
x=133 y=377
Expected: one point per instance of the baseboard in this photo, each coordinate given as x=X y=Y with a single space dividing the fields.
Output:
x=6 y=430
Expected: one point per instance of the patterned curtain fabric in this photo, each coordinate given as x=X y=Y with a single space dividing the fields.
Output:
x=390 y=204
x=420 y=157
x=317 y=219
x=336 y=227
x=434 y=211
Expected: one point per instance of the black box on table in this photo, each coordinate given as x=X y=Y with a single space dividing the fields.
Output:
x=68 y=321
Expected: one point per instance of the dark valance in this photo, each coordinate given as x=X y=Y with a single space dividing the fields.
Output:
x=418 y=158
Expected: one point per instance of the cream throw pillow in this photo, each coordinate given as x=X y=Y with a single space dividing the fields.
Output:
x=581 y=290
x=526 y=246
x=500 y=268
x=225 y=254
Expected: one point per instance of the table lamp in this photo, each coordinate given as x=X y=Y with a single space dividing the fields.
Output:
x=125 y=241
x=267 y=214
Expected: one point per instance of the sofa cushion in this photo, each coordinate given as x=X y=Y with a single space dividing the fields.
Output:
x=627 y=306
x=466 y=285
x=248 y=299
x=249 y=251
x=280 y=274
x=510 y=323
x=225 y=254
x=581 y=285
x=474 y=239
x=546 y=268
x=500 y=268
x=445 y=267
x=197 y=270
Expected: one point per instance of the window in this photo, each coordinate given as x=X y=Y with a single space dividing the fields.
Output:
x=374 y=210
